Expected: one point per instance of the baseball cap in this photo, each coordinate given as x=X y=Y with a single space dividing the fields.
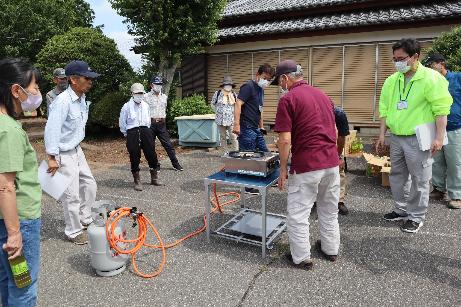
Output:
x=59 y=73
x=80 y=68
x=436 y=57
x=137 y=88
x=156 y=80
x=284 y=67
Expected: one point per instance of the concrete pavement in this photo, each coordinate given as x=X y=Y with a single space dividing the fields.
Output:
x=378 y=265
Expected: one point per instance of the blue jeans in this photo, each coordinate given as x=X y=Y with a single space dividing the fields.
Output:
x=251 y=139
x=11 y=295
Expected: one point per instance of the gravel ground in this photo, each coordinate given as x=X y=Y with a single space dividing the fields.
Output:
x=378 y=265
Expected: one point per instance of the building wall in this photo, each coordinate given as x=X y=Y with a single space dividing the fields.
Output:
x=350 y=68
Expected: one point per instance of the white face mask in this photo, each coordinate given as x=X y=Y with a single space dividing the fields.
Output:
x=138 y=98
x=157 y=88
x=263 y=83
x=227 y=88
x=32 y=102
x=402 y=66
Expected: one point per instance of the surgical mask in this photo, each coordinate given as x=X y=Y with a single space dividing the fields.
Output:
x=138 y=98
x=263 y=83
x=63 y=85
x=227 y=88
x=32 y=102
x=157 y=88
x=402 y=66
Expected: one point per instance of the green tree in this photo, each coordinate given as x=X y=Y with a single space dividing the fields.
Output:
x=449 y=45
x=91 y=46
x=26 y=25
x=167 y=30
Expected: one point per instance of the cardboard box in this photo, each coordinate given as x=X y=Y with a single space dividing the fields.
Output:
x=378 y=166
x=385 y=171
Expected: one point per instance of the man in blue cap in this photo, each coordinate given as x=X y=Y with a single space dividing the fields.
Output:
x=446 y=170
x=64 y=131
x=157 y=102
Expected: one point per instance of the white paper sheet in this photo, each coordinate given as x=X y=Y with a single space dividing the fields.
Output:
x=52 y=185
x=426 y=135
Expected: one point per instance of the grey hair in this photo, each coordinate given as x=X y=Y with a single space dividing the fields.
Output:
x=296 y=74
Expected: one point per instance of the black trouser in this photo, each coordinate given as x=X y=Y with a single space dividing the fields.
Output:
x=141 y=138
x=158 y=128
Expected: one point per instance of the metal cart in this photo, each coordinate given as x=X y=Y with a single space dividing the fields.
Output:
x=247 y=225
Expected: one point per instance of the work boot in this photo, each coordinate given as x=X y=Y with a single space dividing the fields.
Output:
x=137 y=181
x=342 y=209
x=154 y=178
x=454 y=204
x=439 y=195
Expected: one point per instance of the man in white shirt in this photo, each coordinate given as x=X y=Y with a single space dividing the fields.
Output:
x=134 y=123
x=157 y=102
x=64 y=131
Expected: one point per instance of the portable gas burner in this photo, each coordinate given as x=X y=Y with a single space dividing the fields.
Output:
x=254 y=163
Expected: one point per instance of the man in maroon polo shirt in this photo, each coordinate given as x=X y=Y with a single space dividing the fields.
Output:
x=306 y=125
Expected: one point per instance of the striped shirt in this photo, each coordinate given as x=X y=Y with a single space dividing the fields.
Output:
x=65 y=128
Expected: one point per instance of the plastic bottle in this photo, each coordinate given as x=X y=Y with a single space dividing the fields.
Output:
x=20 y=272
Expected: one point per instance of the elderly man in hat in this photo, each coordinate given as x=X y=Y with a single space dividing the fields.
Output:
x=446 y=170
x=60 y=81
x=157 y=102
x=134 y=123
x=306 y=125
x=64 y=131
x=223 y=102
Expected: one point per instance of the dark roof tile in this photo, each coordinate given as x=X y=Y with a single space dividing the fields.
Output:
x=341 y=20
x=250 y=7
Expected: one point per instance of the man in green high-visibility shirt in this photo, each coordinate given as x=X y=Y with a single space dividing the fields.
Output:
x=412 y=96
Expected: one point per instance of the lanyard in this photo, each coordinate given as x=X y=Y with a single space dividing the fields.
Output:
x=408 y=93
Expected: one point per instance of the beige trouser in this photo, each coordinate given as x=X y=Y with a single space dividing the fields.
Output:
x=303 y=190
x=232 y=136
x=80 y=194
x=343 y=184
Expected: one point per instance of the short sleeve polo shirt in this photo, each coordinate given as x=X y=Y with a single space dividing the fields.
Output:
x=252 y=95
x=307 y=113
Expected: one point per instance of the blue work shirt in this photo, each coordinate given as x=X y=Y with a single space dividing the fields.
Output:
x=252 y=95
x=65 y=128
x=342 y=124
x=454 y=87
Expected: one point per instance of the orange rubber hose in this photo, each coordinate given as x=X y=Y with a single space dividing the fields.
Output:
x=144 y=224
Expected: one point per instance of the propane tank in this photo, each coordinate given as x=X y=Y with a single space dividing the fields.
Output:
x=105 y=261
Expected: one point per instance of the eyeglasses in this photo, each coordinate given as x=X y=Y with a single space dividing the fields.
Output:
x=400 y=59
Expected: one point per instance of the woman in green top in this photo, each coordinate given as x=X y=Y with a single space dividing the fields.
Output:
x=20 y=193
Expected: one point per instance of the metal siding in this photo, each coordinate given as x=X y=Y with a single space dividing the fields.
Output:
x=271 y=93
x=240 y=68
x=217 y=68
x=359 y=82
x=327 y=71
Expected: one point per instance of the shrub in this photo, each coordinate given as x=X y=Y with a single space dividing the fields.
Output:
x=106 y=112
x=192 y=105
x=449 y=45
x=99 y=51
